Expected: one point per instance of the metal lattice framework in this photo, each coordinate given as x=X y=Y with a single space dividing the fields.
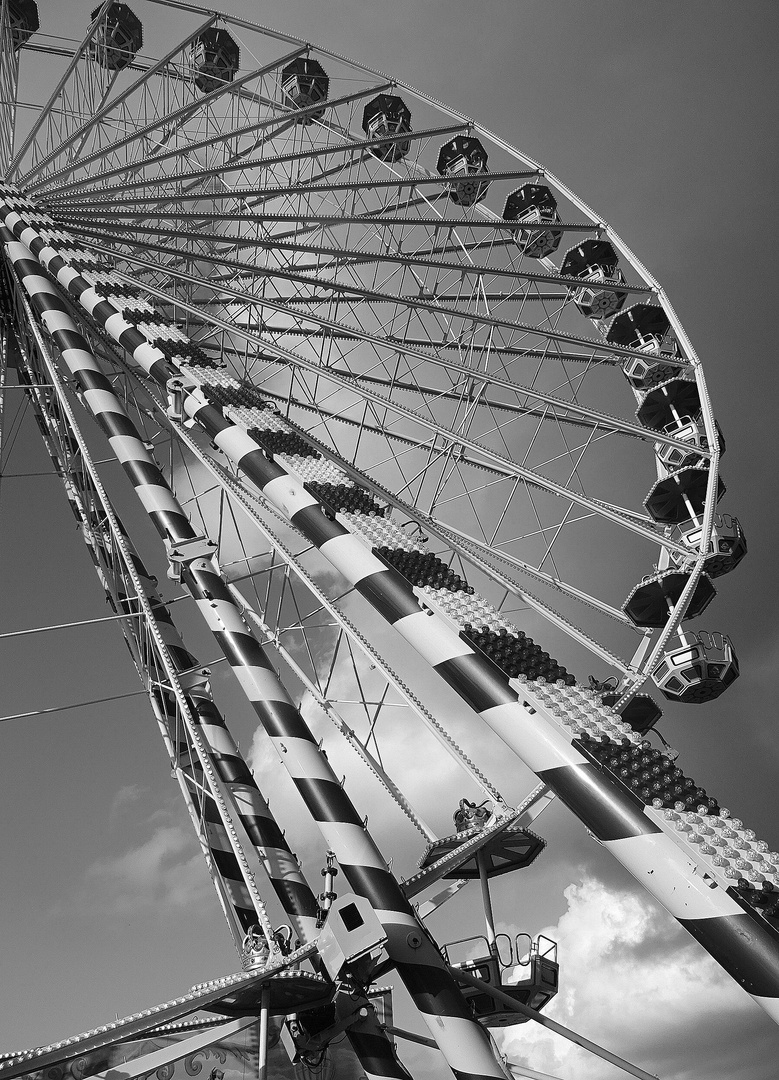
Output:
x=397 y=403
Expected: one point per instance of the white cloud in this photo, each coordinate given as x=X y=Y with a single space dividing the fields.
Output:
x=164 y=871
x=126 y=796
x=426 y=774
x=632 y=981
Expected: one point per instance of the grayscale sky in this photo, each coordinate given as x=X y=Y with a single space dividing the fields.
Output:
x=662 y=116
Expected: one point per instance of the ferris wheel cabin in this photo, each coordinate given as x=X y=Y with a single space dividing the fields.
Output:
x=304 y=83
x=595 y=261
x=727 y=546
x=215 y=59
x=647 y=329
x=534 y=202
x=462 y=156
x=387 y=115
x=652 y=600
x=642 y=711
x=118 y=38
x=700 y=669
x=23 y=19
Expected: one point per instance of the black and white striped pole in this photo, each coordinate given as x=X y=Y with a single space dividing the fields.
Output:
x=463 y=1042
x=129 y=576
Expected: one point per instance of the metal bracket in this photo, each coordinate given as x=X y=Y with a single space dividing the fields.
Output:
x=176 y=388
x=352 y=930
x=186 y=551
x=195 y=679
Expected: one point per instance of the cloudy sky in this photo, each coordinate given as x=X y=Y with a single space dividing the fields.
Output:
x=661 y=116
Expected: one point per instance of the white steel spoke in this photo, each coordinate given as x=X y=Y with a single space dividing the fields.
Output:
x=243 y=163
x=270 y=127
x=344 y=254
x=476 y=318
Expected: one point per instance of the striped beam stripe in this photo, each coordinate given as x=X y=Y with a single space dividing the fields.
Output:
x=538 y=742
x=260 y=825
x=240 y=648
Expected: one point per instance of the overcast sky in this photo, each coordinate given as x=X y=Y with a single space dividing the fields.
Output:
x=661 y=116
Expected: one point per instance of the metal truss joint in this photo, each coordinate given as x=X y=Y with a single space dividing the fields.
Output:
x=184 y=552
x=177 y=387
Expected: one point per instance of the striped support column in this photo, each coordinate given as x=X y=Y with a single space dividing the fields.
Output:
x=279 y=862
x=173 y=524
x=744 y=942
x=224 y=755
x=254 y=672
x=120 y=591
x=462 y=1041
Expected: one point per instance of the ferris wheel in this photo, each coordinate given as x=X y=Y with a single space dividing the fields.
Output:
x=432 y=454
